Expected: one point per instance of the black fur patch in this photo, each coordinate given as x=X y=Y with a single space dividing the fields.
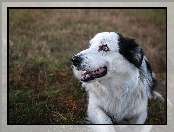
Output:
x=147 y=75
x=131 y=50
x=152 y=84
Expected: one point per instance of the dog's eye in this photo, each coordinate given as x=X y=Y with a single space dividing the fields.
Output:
x=103 y=48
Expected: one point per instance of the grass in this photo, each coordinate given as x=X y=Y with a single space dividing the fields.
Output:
x=42 y=88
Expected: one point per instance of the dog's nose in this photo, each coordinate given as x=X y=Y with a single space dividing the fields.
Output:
x=76 y=60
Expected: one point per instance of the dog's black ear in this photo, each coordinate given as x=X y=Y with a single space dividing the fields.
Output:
x=131 y=51
x=134 y=53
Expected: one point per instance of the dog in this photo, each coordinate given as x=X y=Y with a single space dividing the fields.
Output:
x=118 y=78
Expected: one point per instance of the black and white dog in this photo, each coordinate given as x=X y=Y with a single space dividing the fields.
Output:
x=118 y=78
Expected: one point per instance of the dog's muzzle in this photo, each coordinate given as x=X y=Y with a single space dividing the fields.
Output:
x=88 y=75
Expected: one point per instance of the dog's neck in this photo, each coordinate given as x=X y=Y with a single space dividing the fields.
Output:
x=120 y=86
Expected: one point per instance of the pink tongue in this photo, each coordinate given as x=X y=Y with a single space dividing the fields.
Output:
x=99 y=71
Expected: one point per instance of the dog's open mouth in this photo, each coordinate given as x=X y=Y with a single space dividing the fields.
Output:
x=91 y=75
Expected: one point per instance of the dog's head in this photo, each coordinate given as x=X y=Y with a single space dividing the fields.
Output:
x=108 y=53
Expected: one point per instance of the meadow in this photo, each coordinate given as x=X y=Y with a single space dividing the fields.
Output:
x=42 y=88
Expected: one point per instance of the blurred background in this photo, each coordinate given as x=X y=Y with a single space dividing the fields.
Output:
x=42 y=88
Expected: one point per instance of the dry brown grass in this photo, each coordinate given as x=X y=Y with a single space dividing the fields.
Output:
x=42 y=88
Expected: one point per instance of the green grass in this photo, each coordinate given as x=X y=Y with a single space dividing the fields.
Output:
x=42 y=88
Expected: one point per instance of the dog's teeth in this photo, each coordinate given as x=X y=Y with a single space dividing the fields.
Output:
x=87 y=75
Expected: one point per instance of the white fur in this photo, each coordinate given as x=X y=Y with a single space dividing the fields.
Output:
x=120 y=94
